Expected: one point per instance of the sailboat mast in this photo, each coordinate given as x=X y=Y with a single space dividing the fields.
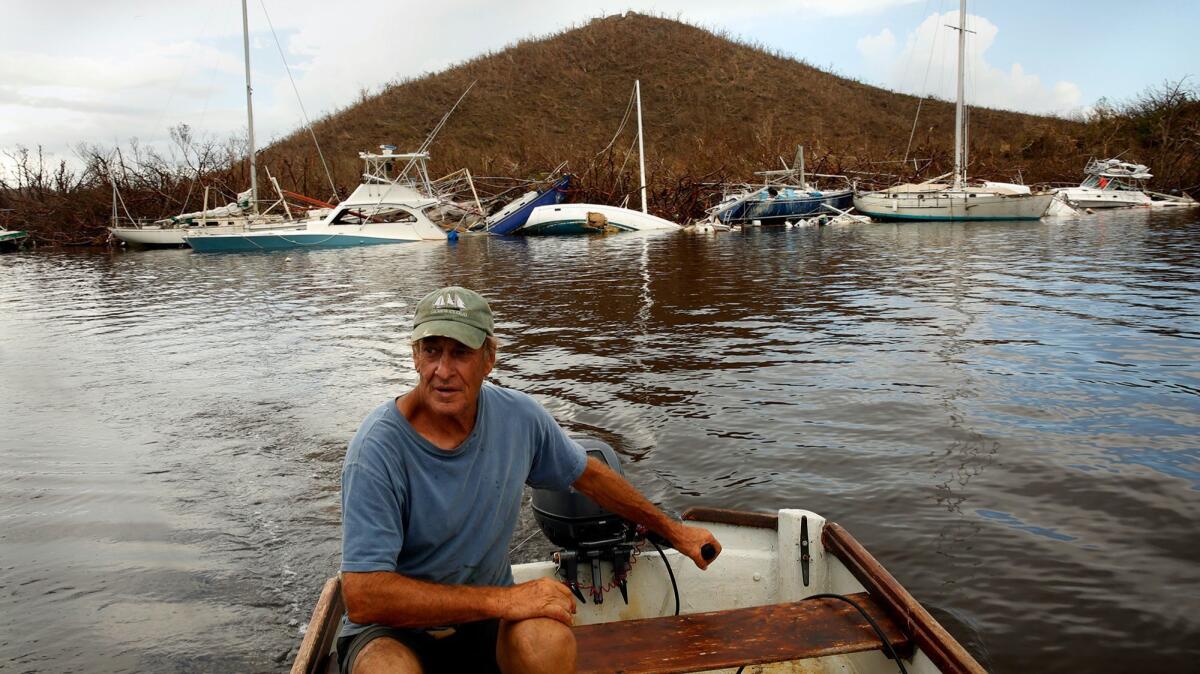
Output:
x=637 y=92
x=249 y=112
x=960 y=170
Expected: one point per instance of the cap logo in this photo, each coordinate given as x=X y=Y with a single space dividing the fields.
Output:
x=449 y=301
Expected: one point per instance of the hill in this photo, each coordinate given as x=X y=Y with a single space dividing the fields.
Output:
x=713 y=108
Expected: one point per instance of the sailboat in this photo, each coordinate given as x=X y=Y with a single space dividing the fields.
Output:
x=958 y=200
x=598 y=218
x=242 y=214
x=785 y=196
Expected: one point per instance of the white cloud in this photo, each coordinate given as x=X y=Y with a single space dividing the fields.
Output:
x=878 y=49
x=928 y=61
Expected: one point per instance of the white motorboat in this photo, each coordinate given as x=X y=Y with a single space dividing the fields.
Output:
x=1110 y=183
x=958 y=200
x=381 y=210
x=779 y=596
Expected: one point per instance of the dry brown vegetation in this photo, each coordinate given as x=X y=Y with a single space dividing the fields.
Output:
x=715 y=110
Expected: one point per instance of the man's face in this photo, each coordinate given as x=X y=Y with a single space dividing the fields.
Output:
x=451 y=373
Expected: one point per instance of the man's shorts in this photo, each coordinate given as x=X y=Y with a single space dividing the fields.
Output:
x=470 y=648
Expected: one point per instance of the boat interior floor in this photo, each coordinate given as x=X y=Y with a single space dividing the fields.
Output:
x=697 y=642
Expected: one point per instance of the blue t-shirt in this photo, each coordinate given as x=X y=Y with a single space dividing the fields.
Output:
x=447 y=516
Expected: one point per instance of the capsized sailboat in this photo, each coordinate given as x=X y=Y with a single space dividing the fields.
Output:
x=959 y=199
x=599 y=218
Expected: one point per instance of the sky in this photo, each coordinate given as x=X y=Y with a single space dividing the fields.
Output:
x=105 y=72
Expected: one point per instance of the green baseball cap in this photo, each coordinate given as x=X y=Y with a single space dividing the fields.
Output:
x=458 y=313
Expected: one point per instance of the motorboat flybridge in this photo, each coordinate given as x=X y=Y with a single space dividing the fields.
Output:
x=391 y=205
x=959 y=199
x=790 y=592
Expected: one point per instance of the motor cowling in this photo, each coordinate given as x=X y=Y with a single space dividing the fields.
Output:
x=587 y=532
x=573 y=521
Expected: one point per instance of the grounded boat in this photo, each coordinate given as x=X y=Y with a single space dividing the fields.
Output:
x=381 y=210
x=241 y=215
x=590 y=219
x=599 y=218
x=1110 y=183
x=173 y=231
x=768 y=600
x=516 y=213
x=786 y=197
x=940 y=201
x=11 y=239
x=958 y=200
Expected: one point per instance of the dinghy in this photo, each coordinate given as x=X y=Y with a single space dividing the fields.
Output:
x=784 y=596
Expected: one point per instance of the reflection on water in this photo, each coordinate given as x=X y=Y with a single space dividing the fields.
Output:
x=1006 y=415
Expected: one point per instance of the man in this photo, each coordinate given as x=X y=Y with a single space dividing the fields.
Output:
x=431 y=489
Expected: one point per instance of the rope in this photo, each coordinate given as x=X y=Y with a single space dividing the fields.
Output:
x=303 y=112
x=924 y=88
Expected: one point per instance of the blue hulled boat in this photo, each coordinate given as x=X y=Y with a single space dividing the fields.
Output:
x=785 y=196
x=777 y=204
x=513 y=216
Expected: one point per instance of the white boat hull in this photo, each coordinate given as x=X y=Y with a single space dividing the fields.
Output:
x=149 y=236
x=960 y=205
x=573 y=219
x=1091 y=197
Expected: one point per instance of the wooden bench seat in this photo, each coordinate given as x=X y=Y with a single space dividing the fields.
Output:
x=756 y=635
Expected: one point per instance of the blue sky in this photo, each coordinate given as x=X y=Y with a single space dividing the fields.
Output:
x=130 y=68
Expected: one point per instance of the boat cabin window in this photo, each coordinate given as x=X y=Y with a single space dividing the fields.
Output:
x=362 y=215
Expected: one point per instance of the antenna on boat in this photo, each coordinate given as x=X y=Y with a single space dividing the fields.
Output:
x=637 y=92
x=249 y=111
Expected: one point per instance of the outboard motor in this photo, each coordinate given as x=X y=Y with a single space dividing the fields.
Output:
x=586 y=532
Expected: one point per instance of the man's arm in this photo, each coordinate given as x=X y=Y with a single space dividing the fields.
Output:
x=613 y=492
x=388 y=598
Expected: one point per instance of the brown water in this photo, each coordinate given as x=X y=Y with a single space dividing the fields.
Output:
x=1007 y=416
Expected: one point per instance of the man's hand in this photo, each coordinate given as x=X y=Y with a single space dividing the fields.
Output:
x=690 y=541
x=541 y=598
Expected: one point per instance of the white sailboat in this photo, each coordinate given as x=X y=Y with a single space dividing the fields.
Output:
x=958 y=200
x=598 y=218
x=243 y=214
